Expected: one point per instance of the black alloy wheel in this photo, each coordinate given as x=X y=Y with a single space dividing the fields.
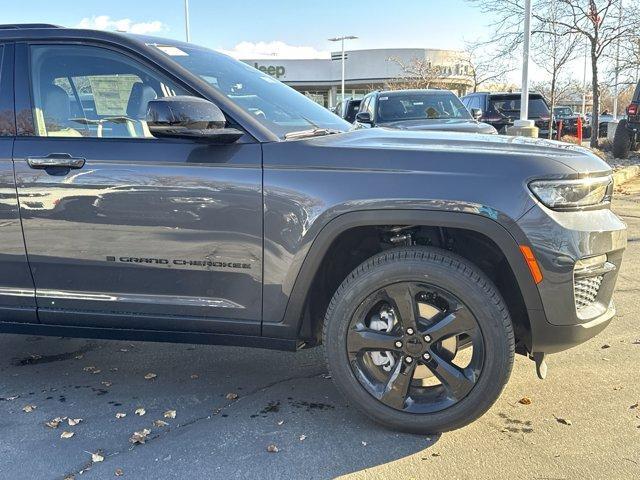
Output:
x=412 y=342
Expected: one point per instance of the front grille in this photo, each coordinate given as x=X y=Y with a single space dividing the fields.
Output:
x=586 y=290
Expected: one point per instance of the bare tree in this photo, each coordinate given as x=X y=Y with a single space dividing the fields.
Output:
x=484 y=68
x=601 y=23
x=555 y=47
x=417 y=73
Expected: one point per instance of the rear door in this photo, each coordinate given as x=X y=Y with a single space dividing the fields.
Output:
x=122 y=229
x=17 y=296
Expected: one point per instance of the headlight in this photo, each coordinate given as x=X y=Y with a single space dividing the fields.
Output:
x=572 y=194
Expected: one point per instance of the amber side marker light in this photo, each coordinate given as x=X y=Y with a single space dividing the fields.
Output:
x=532 y=263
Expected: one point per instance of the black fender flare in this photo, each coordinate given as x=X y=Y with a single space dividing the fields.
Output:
x=507 y=240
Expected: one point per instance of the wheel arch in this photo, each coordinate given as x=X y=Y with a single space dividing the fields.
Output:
x=297 y=321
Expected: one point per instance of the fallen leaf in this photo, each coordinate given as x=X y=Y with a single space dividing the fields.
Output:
x=150 y=376
x=605 y=346
x=140 y=437
x=170 y=414
x=119 y=472
x=231 y=396
x=272 y=448
x=67 y=434
x=74 y=421
x=303 y=438
x=326 y=376
x=121 y=415
x=10 y=399
x=564 y=421
x=195 y=376
x=79 y=357
x=140 y=411
x=435 y=454
x=54 y=423
x=89 y=369
x=525 y=401
x=106 y=384
x=95 y=372
x=280 y=422
x=97 y=457
x=637 y=342
x=124 y=350
x=364 y=444
x=29 y=408
x=635 y=405
x=160 y=423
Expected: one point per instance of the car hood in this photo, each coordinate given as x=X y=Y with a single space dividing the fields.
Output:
x=482 y=148
x=446 y=125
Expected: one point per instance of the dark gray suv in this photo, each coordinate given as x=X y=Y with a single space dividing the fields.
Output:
x=156 y=190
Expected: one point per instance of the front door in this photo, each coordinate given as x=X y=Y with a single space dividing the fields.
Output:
x=121 y=229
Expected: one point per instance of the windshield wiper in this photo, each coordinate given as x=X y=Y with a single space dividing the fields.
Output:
x=312 y=132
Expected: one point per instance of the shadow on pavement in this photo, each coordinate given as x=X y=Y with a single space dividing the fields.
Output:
x=283 y=399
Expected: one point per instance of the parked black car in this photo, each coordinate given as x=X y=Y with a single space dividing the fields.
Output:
x=569 y=120
x=418 y=110
x=200 y=200
x=348 y=109
x=501 y=109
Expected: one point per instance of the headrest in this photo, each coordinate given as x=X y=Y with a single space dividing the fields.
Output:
x=56 y=107
x=139 y=99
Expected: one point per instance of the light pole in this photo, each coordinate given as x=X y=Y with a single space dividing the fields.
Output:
x=524 y=95
x=186 y=20
x=342 y=39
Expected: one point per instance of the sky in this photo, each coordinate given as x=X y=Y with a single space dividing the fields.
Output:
x=296 y=23
x=287 y=28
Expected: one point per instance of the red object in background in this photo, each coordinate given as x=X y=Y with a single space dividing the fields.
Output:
x=579 y=128
x=632 y=109
x=559 y=134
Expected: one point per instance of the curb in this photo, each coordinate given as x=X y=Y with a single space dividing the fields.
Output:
x=625 y=174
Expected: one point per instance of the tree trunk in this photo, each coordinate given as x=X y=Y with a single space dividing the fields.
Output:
x=595 y=91
x=553 y=103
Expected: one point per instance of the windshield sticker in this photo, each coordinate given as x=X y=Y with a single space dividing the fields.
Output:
x=383 y=98
x=172 y=51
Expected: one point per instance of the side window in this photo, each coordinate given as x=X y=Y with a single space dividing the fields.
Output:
x=371 y=106
x=7 y=126
x=85 y=91
x=364 y=104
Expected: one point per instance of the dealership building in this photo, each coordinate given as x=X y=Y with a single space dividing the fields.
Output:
x=366 y=71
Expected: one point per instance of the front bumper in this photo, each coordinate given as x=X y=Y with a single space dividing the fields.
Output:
x=559 y=240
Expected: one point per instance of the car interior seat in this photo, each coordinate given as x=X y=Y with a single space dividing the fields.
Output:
x=55 y=115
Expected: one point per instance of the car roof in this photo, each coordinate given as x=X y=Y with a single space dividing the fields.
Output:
x=412 y=90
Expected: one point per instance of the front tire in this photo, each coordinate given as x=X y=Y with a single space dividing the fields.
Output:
x=367 y=352
x=622 y=140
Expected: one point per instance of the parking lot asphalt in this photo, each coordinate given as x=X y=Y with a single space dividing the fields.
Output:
x=232 y=404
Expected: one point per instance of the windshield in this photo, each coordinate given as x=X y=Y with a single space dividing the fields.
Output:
x=396 y=107
x=509 y=106
x=562 y=111
x=277 y=106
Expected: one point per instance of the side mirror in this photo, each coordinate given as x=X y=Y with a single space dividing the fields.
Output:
x=476 y=113
x=364 y=117
x=189 y=117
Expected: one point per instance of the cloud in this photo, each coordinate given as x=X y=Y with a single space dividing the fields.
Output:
x=105 y=22
x=276 y=48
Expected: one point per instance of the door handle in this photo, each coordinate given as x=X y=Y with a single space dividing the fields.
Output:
x=56 y=160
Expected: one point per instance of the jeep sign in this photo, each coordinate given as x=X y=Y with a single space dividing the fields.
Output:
x=273 y=70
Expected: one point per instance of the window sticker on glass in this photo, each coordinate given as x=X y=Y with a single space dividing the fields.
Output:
x=111 y=93
x=382 y=99
x=172 y=51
